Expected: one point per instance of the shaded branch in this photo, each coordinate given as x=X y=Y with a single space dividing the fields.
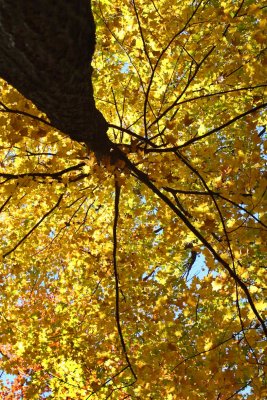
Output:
x=23 y=113
x=208 y=193
x=231 y=121
x=203 y=96
x=34 y=227
x=116 y=276
x=155 y=68
x=131 y=133
x=54 y=175
x=108 y=380
x=141 y=34
x=5 y=203
x=217 y=129
x=233 y=337
x=190 y=80
x=143 y=177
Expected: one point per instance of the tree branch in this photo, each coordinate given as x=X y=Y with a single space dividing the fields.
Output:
x=198 y=138
x=116 y=276
x=34 y=227
x=23 y=113
x=54 y=175
x=142 y=177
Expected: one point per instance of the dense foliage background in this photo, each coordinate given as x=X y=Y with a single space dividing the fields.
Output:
x=143 y=278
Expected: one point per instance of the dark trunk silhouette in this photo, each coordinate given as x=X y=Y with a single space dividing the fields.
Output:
x=46 y=49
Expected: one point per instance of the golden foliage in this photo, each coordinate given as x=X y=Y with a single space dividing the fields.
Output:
x=169 y=302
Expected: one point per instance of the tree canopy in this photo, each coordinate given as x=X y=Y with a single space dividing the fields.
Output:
x=142 y=274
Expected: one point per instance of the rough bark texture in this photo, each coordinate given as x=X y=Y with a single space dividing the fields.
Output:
x=46 y=49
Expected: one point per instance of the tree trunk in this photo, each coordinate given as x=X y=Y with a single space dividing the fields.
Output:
x=46 y=49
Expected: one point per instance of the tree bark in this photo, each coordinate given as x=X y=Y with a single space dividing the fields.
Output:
x=46 y=49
